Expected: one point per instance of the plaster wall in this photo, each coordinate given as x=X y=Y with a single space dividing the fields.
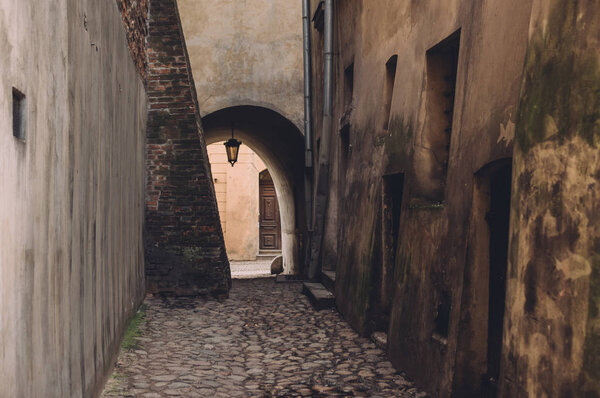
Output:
x=552 y=332
x=247 y=53
x=281 y=159
x=71 y=208
x=430 y=256
x=237 y=190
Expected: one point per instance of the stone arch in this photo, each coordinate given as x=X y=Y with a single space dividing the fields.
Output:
x=280 y=144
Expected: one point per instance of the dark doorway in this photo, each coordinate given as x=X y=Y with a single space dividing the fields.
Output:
x=479 y=351
x=498 y=219
x=393 y=190
x=269 y=221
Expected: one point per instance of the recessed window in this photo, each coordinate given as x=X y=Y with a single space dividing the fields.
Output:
x=348 y=85
x=442 y=315
x=19 y=114
x=442 y=66
x=345 y=150
x=388 y=89
x=319 y=17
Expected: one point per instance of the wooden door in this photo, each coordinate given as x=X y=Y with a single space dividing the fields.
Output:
x=270 y=225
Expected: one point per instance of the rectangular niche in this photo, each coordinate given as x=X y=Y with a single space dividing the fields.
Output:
x=19 y=114
x=432 y=159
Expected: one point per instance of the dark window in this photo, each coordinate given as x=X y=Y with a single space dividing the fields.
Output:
x=442 y=66
x=19 y=114
x=345 y=145
x=319 y=17
x=348 y=85
x=388 y=89
x=442 y=315
x=393 y=190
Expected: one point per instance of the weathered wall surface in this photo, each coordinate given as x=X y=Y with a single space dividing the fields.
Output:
x=71 y=208
x=247 y=53
x=135 y=20
x=185 y=251
x=280 y=145
x=431 y=252
x=442 y=261
x=552 y=342
x=238 y=199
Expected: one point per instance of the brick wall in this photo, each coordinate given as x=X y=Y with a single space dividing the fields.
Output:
x=185 y=251
x=135 y=18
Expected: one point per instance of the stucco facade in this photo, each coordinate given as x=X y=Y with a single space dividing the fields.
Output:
x=427 y=99
x=237 y=191
x=246 y=53
x=71 y=209
x=246 y=57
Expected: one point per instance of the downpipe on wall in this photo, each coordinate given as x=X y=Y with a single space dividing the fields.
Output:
x=322 y=194
x=308 y=134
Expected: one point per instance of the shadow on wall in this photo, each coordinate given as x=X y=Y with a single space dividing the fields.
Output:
x=280 y=145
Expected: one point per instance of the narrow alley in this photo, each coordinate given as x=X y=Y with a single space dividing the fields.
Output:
x=278 y=198
x=265 y=340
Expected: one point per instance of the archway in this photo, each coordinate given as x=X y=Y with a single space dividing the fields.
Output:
x=280 y=145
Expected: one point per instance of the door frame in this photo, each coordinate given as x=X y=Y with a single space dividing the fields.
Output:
x=266 y=179
x=471 y=363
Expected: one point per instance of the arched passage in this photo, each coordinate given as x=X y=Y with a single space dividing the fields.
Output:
x=280 y=145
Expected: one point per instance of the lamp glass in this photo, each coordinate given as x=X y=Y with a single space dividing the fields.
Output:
x=233 y=148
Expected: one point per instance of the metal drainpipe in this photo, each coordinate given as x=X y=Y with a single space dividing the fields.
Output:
x=322 y=195
x=308 y=133
x=307 y=84
x=327 y=84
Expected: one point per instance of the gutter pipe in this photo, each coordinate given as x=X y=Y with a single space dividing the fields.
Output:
x=322 y=194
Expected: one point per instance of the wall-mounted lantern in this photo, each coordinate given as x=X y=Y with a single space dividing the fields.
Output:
x=232 y=147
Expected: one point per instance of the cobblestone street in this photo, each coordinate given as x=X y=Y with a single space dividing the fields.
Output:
x=265 y=340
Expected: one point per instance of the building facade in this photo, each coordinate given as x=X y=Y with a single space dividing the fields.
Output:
x=248 y=205
x=462 y=188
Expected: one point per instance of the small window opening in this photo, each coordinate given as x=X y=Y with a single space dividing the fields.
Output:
x=318 y=148
x=345 y=146
x=442 y=315
x=388 y=90
x=393 y=190
x=19 y=114
x=348 y=85
x=319 y=17
x=442 y=66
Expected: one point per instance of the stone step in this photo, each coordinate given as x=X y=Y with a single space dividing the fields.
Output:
x=285 y=278
x=380 y=339
x=269 y=255
x=328 y=280
x=265 y=257
x=319 y=296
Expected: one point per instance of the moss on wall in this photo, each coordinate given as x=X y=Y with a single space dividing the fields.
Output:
x=553 y=343
x=561 y=90
x=398 y=143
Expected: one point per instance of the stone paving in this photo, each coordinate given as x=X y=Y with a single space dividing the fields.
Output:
x=264 y=341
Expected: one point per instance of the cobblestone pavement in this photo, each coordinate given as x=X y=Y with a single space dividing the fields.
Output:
x=264 y=341
x=250 y=269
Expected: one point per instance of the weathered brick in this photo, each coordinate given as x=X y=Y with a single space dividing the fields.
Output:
x=185 y=250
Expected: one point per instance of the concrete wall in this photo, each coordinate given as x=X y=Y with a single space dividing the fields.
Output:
x=71 y=208
x=238 y=199
x=437 y=259
x=247 y=53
